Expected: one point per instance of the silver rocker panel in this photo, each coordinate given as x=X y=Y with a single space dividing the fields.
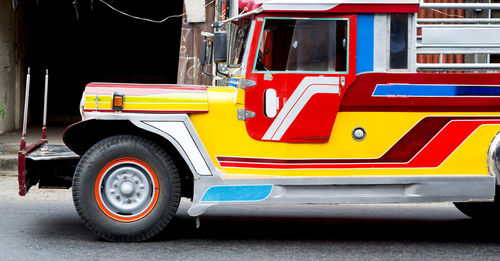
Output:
x=401 y=189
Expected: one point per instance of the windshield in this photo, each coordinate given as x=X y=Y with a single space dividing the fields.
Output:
x=303 y=45
x=238 y=33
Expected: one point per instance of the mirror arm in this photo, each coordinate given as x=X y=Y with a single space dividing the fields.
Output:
x=218 y=24
x=203 y=71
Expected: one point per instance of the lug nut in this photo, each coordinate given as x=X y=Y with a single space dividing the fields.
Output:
x=129 y=200
x=117 y=196
x=138 y=193
x=116 y=185
x=124 y=177
x=136 y=182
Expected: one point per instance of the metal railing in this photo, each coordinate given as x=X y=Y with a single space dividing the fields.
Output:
x=460 y=6
x=458 y=27
x=460 y=20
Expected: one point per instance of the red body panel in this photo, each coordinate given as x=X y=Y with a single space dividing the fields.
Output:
x=359 y=96
x=21 y=163
x=375 y=8
x=315 y=121
x=427 y=151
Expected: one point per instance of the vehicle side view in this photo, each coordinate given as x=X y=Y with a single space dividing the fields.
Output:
x=326 y=106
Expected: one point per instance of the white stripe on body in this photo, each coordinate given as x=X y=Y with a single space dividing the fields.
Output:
x=299 y=98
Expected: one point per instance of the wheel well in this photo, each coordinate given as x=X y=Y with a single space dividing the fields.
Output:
x=81 y=136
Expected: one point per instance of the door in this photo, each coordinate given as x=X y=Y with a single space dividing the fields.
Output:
x=302 y=67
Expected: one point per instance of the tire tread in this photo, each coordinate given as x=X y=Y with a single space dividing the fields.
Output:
x=155 y=149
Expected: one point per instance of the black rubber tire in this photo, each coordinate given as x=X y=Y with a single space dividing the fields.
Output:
x=478 y=210
x=85 y=178
x=481 y=210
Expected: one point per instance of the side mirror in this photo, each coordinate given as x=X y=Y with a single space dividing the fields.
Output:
x=206 y=52
x=220 y=49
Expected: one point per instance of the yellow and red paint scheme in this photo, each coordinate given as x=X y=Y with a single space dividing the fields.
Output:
x=427 y=133
x=445 y=128
x=146 y=98
x=424 y=130
x=397 y=143
x=323 y=97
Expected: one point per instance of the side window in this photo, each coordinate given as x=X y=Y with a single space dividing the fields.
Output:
x=303 y=45
x=398 y=56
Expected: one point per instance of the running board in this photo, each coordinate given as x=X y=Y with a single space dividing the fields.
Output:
x=358 y=190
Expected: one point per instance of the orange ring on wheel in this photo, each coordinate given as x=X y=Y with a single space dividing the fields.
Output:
x=141 y=214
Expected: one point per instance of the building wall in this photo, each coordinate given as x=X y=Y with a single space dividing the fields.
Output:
x=9 y=94
x=189 y=68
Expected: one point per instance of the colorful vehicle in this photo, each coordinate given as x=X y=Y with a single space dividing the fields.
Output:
x=326 y=106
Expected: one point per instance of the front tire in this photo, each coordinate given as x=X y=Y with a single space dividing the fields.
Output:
x=126 y=188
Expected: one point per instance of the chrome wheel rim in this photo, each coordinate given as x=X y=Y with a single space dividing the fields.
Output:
x=127 y=189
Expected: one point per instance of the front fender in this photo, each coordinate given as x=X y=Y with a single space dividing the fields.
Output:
x=80 y=136
x=174 y=131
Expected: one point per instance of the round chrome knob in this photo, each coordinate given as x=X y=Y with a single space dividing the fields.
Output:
x=359 y=133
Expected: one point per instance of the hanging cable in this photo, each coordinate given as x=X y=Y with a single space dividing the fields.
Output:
x=147 y=19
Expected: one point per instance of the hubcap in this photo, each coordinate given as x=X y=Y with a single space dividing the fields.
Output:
x=127 y=189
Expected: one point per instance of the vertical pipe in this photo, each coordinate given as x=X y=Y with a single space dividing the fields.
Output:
x=233 y=8
x=421 y=13
x=435 y=57
x=25 y=117
x=451 y=13
x=460 y=57
x=217 y=6
x=428 y=14
x=454 y=13
x=44 y=126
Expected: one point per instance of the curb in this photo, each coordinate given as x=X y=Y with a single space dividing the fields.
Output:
x=8 y=148
x=8 y=163
x=8 y=173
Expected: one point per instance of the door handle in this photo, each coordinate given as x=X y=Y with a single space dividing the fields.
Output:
x=271 y=103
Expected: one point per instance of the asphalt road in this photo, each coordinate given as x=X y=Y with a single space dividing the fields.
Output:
x=45 y=226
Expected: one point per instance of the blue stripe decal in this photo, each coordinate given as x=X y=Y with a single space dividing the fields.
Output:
x=237 y=193
x=364 y=43
x=424 y=90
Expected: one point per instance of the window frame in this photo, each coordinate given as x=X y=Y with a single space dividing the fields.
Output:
x=411 y=39
x=302 y=18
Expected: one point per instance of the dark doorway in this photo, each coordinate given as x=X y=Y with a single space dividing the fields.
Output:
x=98 y=45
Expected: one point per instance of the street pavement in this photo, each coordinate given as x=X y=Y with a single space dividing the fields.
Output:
x=44 y=226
